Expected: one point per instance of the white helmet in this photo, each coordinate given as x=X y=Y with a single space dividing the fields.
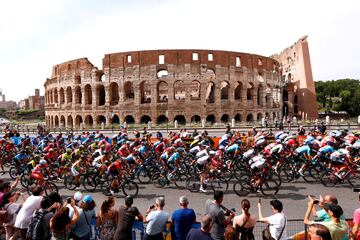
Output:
x=43 y=162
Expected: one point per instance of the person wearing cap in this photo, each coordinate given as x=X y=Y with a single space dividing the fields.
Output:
x=82 y=229
x=338 y=228
x=127 y=215
x=156 y=219
x=182 y=219
x=77 y=198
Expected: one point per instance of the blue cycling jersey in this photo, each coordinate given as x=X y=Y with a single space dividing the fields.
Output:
x=303 y=150
x=173 y=157
x=233 y=148
x=21 y=156
x=326 y=149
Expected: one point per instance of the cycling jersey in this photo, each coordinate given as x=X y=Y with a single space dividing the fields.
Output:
x=175 y=156
x=303 y=150
x=233 y=148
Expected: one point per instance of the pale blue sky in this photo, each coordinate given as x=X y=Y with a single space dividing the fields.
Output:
x=35 y=35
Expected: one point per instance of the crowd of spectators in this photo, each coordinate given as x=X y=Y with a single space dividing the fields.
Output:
x=53 y=217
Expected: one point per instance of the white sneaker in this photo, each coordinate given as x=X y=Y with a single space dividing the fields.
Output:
x=202 y=189
x=301 y=173
x=112 y=192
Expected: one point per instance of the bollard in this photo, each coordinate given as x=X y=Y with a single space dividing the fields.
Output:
x=81 y=126
x=203 y=123
x=359 y=119
x=233 y=123
x=175 y=124
x=102 y=126
x=125 y=125
x=149 y=125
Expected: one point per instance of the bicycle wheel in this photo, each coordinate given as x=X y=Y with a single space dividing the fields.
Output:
x=130 y=188
x=193 y=184
x=159 y=180
x=13 y=172
x=269 y=187
x=143 y=176
x=180 y=180
x=311 y=175
x=286 y=172
x=219 y=184
x=69 y=182
x=354 y=179
x=328 y=179
x=239 y=190
x=24 y=180
x=50 y=187
x=89 y=183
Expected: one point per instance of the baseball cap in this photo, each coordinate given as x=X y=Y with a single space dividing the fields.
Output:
x=77 y=196
x=87 y=199
x=335 y=209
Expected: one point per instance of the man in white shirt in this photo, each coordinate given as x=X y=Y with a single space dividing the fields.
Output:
x=277 y=221
x=23 y=218
x=156 y=220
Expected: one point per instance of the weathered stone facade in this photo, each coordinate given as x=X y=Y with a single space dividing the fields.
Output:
x=183 y=85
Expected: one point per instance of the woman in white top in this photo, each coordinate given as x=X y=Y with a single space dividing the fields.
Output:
x=277 y=221
x=12 y=208
x=245 y=222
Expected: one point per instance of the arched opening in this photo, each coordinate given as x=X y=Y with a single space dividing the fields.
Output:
x=225 y=118
x=115 y=119
x=180 y=119
x=77 y=79
x=259 y=116
x=56 y=96
x=62 y=121
x=162 y=119
x=78 y=121
x=62 y=96
x=195 y=89
x=114 y=94
x=100 y=119
x=128 y=90
x=100 y=94
x=145 y=119
x=68 y=95
x=237 y=118
x=260 y=92
x=285 y=109
x=162 y=73
x=225 y=86
x=250 y=118
x=249 y=91
x=163 y=90
x=88 y=94
x=285 y=95
x=129 y=119
x=52 y=121
x=89 y=122
x=70 y=123
x=273 y=115
x=195 y=119
x=210 y=92
x=78 y=95
x=145 y=92
x=238 y=90
x=56 y=123
x=179 y=90
x=211 y=119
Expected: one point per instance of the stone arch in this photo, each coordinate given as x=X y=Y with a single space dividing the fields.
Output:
x=225 y=86
x=62 y=121
x=78 y=121
x=62 y=95
x=259 y=117
x=195 y=90
x=56 y=97
x=100 y=95
x=115 y=119
x=56 y=121
x=78 y=96
x=129 y=119
x=69 y=95
x=89 y=121
x=77 y=79
x=250 y=117
x=162 y=119
x=249 y=91
x=100 y=119
x=237 y=118
x=179 y=90
x=196 y=119
x=211 y=119
x=145 y=92
x=238 y=90
x=180 y=119
x=145 y=119
x=128 y=90
x=70 y=123
x=88 y=94
x=225 y=118
x=163 y=91
x=210 y=92
x=114 y=94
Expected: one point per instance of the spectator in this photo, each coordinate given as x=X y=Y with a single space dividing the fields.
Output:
x=182 y=219
x=213 y=209
x=195 y=133
x=77 y=198
x=245 y=222
x=127 y=215
x=23 y=218
x=82 y=229
x=277 y=221
x=107 y=219
x=321 y=215
x=356 y=219
x=61 y=223
x=12 y=208
x=338 y=228
x=204 y=232
x=156 y=220
x=318 y=231
x=7 y=187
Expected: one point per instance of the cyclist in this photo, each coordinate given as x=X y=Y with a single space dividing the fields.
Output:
x=37 y=172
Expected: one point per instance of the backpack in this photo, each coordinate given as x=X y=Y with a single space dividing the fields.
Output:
x=38 y=229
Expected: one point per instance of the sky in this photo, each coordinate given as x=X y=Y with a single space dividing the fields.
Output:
x=37 y=34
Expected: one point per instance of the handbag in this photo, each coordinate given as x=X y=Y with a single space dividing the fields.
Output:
x=267 y=235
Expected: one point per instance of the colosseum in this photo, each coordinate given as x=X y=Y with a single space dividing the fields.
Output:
x=175 y=85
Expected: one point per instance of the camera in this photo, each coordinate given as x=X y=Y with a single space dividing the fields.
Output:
x=316 y=201
x=152 y=207
x=228 y=212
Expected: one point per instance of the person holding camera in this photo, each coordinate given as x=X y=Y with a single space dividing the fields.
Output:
x=321 y=215
x=215 y=210
x=127 y=215
x=156 y=219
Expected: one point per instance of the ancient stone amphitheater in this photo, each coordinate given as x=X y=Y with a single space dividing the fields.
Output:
x=164 y=85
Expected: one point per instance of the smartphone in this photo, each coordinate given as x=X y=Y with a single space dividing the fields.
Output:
x=152 y=206
x=316 y=201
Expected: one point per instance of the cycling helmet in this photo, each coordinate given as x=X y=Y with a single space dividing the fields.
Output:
x=68 y=150
x=82 y=146
x=221 y=147
x=43 y=162
x=51 y=150
x=319 y=138
x=309 y=140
